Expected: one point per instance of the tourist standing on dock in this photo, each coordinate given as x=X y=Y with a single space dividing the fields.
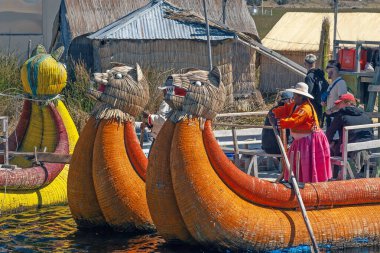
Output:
x=309 y=140
x=315 y=79
x=337 y=88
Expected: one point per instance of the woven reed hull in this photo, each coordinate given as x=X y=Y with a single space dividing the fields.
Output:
x=15 y=139
x=316 y=195
x=81 y=193
x=216 y=215
x=135 y=153
x=105 y=186
x=119 y=189
x=37 y=186
x=33 y=136
x=159 y=189
x=38 y=176
x=69 y=125
x=52 y=194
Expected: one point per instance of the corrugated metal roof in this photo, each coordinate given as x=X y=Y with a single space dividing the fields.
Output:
x=301 y=31
x=88 y=16
x=151 y=22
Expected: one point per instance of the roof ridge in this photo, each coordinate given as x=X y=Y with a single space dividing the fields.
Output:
x=111 y=27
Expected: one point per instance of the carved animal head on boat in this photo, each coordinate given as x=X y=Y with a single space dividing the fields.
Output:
x=196 y=92
x=122 y=87
x=43 y=74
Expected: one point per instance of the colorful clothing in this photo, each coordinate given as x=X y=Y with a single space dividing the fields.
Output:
x=299 y=119
x=309 y=141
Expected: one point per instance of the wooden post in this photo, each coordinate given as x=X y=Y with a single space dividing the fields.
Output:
x=357 y=56
x=5 y=139
x=291 y=161
x=298 y=160
x=297 y=191
x=372 y=95
x=142 y=132
x=236 y=146
x=376 y=80
x=335 y=53
x=29 y=48
x=283 y=164
x=344 y=153
x=208 y=36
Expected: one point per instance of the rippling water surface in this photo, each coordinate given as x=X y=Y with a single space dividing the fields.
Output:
x=53 y=230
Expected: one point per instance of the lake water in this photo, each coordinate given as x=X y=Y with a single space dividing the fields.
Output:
x=53 y=230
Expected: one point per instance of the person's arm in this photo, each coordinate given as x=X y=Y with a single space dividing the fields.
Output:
x=298 y=118
x=282 y=111
x=336 y=124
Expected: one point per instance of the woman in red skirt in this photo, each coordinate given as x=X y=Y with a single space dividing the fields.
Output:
x=309 y=140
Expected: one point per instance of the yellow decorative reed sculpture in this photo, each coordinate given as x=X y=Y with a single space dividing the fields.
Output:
x=44 y=125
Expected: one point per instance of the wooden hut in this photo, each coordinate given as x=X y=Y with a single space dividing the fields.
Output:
x=78 y=19
x=161 y=36
x=297 y=34
x=157 y=34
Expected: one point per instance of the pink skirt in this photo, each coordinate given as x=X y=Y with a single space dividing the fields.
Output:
x=314 y=164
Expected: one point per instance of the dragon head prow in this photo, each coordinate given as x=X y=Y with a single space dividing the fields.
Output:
x=121 y=90
x=195 y=93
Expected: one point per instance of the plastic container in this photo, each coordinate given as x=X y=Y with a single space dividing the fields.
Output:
x=347 y=58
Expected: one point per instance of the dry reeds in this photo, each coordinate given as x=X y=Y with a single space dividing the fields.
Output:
x=324 y=46
x=236 y=62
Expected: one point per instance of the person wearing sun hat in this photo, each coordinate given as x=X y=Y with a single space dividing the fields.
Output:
x=300 y=117
x=347 y=115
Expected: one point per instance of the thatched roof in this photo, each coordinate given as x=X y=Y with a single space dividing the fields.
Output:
x=301 y=31
x=87 y=16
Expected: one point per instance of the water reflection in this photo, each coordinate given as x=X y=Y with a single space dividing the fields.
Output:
x=53 y=230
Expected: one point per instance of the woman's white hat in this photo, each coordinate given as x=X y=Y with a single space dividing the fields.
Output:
x=302 y=89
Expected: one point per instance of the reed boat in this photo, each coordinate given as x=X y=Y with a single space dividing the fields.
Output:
x=106 y=184
x=44 y=124
x=196 y=195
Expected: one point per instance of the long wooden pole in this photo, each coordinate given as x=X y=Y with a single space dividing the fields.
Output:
x=142 y=132
x=289 y=64
x=335 y=28
x=208 y=36
x=296 y=189
x=285 y=143
x=4 y=139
